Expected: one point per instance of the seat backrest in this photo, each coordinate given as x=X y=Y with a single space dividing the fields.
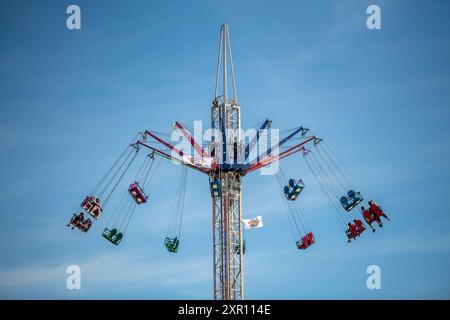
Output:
x=286 y=190
x=351 y=193
x=344 y=200
x=215 y=184
x=292 y=183
x=305 y=241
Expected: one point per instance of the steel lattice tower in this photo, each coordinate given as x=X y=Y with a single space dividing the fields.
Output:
x=227 y=209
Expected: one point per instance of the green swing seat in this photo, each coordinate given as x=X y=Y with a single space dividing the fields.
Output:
x=172 y=244
x=112 y=236
x=237 y=249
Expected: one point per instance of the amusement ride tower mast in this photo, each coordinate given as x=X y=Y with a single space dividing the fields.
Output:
x=226 y=150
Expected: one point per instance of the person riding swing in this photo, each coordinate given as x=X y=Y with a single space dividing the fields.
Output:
x=351 y=232
x=76 y=220
x=359 y=225
x=370 y=218
x=376 y=210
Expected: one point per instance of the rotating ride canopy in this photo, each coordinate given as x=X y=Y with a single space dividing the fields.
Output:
x=226 y=160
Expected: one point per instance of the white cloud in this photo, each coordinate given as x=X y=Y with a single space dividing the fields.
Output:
x=118 y=269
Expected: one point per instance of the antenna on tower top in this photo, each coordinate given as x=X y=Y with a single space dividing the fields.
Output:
x=225 y=65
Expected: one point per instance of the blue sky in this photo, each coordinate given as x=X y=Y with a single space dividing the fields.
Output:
x=71 y=100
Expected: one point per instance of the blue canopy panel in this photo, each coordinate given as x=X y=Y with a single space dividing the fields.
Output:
x=245 y=167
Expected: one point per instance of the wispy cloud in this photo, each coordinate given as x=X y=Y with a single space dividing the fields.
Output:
x=127 y=271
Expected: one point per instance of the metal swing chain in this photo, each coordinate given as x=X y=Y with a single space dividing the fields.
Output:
x=111 y=169
x=120 y=178
x=332 y=172
x=183 y=197
x=293 y=209
x=292 y=225
x=327 y=186
x=356 y=182
x=174 y=223
x=113 y=177
x=325 y=175
x=341 y=221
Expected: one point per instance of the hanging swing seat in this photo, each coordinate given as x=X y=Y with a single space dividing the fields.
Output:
x=350 y=235
x=376 y=212
x=92 y=206
x=360 y=226
x=137 y=193
x=216 y=190
x=351 y=200
x=172 y=244
x=293 y=190
x=112 y=236
x=369 y=217
x=80 y=223
x=237 y=248
x=353 y=233
x=305 y=241
x=361 y=230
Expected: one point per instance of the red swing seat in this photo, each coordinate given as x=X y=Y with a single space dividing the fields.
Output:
x=306 y=241
x=369 y=217
x=137 y=193
x=376 y=211
x=352 y=234
x=80 y=224
x=92 y=206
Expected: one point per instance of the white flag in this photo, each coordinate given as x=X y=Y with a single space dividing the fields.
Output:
x=253 y=223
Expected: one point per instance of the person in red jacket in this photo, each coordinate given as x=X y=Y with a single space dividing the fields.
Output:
x=369 y=218
x=303 y=243
x=85 y=201
x=376 y=210
x=76 y=220
x=359 y=225
x=351 y=232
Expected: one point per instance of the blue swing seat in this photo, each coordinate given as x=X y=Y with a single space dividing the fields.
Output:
x=216 y=190
x=351 y=200
x=293 y=190
x=355 y=196
x=345 y=202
